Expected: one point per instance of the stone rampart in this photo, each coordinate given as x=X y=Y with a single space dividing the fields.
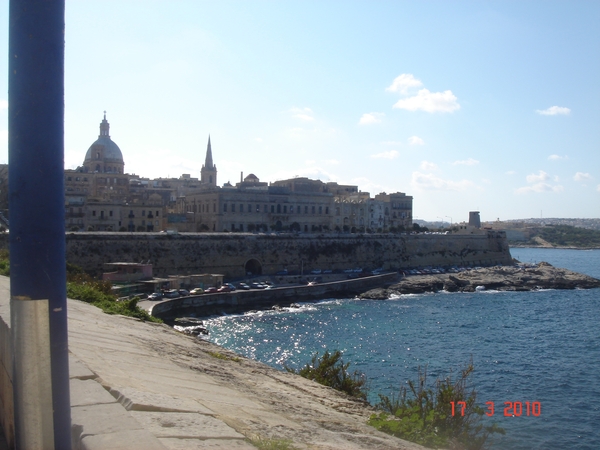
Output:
x=236 y=254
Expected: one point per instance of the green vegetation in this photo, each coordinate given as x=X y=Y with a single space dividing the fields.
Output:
x=569 y=236
x=81 y=286
x=4 y=263
x=330 y=370
x=272 y=444
x=220 y=355
x=418 y=413
x=423 y=414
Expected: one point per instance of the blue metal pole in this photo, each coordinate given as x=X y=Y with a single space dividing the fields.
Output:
x=37 y=227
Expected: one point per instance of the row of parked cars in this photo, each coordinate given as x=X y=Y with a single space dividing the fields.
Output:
x=227 y=287
x=436 y=270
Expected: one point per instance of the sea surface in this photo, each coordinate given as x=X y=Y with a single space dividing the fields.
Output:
x=541 y=346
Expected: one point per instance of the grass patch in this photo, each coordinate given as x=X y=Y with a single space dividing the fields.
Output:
x=223 y=357
x=272 y=444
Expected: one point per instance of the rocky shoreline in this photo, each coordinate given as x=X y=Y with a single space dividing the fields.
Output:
x=500 y=278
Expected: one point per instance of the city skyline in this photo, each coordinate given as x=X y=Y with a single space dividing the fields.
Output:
x=467 y=105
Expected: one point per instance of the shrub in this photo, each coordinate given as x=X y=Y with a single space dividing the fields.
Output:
x=424 y=415
x=330 y=370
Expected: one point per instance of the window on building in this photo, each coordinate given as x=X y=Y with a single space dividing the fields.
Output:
x=327 y=210
x=249 y=208
x=285 y=209
x=110 y=213
x=241 y=208
x=143 y=213
x=306 y=210
x=320 y=210
x=233 y=207
x=291 y=209
x=94 y=213
x=102 y=214
x=224 y=207
x=272 y=208
x=278 y=209
x=266 y=208
x=313 y=209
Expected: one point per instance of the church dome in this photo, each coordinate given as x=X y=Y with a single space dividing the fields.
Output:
x=104 y=155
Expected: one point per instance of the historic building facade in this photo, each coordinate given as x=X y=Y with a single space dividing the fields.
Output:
x=101 y=196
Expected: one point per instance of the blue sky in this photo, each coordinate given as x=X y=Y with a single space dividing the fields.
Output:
x=465 y=105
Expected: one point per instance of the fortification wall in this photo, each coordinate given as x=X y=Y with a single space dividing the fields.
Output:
x=235 y=254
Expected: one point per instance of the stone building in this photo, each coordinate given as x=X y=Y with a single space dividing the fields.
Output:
x=101 y=196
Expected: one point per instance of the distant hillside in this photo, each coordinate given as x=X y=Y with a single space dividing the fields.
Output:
x=562 y=236
x=591 y=224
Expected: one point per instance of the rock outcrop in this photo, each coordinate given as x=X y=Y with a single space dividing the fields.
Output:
x=501 y=278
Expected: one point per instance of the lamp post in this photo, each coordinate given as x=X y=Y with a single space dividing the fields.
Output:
x=37 y=225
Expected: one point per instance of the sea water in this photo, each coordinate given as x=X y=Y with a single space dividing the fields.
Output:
x=541 y=346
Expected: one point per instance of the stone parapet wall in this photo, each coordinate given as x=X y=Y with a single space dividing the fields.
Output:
x=234 y=254
x=6 y=385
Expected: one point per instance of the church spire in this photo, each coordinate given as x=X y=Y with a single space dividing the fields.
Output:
x=208 y=163
x=208 y=174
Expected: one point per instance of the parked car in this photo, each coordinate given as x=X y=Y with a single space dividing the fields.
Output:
x=224 y=288
x=243 y=286
x=258 y=286
x=197 y=291
x=282 y=272
x=173 y=293
x=231 y=286
x=210 y=290
x=155 y=296
x=315 y=271
x=184 y=292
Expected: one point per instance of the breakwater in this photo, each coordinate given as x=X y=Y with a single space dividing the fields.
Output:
x=237 y=254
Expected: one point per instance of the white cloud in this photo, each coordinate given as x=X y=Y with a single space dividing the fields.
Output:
x=429 y=102
x=554 y=111
x=333 y=162
x=581 y=176
x=426 y=165
x=557 y=157
x=415 y=140
x=422 y=181
x=510 y=172
x=394 y=143
x=466 y=162
x=371 y=118
x=258 y=139
x=3 y=104
x=539 y=188
x=403 y=83
x=533 y=178
x=305 y=114
x=539 y=183
x=392 y=154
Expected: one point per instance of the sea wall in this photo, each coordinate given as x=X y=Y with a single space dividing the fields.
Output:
x=240 y=300
x=236 y=254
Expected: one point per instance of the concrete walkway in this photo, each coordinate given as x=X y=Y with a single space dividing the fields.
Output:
x=138 y=385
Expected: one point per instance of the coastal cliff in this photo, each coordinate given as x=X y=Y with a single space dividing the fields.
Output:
x=500 y=278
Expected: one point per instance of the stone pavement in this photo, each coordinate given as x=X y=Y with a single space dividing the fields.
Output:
x=138 y=385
